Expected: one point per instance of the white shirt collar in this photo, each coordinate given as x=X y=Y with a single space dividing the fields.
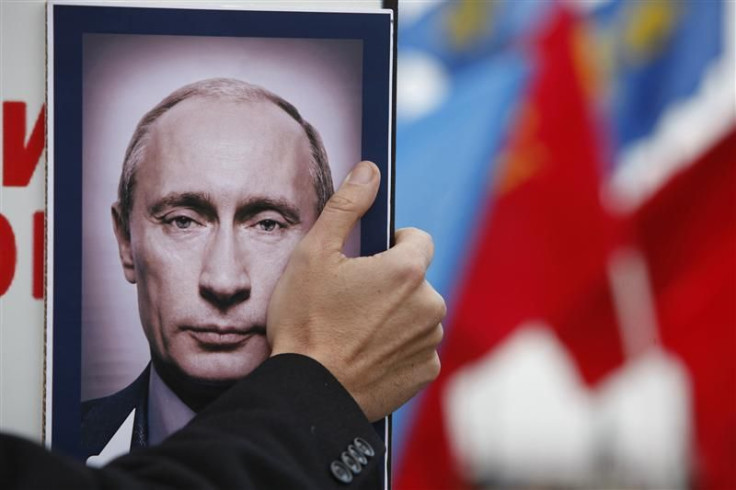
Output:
x=166 y=412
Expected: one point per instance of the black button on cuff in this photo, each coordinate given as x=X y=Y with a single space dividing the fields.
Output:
x=364 y=447
x=341 y=472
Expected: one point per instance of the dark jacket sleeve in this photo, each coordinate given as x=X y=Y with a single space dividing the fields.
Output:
x=281 y=427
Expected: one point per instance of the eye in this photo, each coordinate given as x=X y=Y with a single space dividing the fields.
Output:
x=182 y=222
x=269 y=225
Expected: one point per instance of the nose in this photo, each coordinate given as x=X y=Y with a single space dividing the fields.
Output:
x=224 y=281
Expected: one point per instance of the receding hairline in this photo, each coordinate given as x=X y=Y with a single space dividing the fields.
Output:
x=287 y=128
x=221 y=89
x=233 y=105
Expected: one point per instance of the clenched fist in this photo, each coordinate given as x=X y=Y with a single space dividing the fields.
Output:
x=374 y=322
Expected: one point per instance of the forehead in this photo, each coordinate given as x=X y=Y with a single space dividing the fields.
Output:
x=225 y=124
x=219 y=145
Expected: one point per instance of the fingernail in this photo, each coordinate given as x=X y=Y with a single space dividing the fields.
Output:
x=361 y=174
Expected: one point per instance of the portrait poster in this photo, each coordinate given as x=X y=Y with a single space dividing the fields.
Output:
x=109 y=66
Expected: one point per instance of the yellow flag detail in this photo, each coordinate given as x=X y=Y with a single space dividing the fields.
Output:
x=467 y=21
x=649 y=27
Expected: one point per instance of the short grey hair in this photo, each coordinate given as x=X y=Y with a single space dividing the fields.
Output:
x=224 y=89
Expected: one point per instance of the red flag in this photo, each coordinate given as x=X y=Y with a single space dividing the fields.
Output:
x=688 y=235
x=542 y=254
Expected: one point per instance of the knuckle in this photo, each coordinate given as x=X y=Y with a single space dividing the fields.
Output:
x=424 y=237
x=434 y=307
x=401 y=232
x=440 y=307
x=421 y=238
x=435 y=366
x=437 y=335
x=411 y=230
x=412 y=271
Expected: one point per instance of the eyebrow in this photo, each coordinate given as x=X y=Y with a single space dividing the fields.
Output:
x=203 y=203
x=199 y=201
x=257 y=204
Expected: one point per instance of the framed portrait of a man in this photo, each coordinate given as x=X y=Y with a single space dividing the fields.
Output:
x=189 y=152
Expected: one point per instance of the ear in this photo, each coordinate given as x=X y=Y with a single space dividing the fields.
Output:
x=123 y=236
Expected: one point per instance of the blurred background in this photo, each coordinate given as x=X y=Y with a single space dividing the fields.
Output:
x=575 y=163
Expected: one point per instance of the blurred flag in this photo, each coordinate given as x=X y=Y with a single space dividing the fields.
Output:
x=653 y=54
x=583 y=344
x=451 y=148
x=687 y=233
x=456 y=177
x=541 y=257
x=461 y=32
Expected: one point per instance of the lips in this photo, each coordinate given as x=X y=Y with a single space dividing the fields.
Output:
x=214 y=337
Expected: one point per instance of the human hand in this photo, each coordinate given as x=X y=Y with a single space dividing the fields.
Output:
x=373 y=322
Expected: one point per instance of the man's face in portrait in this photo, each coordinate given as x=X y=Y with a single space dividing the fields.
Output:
x=223 y=194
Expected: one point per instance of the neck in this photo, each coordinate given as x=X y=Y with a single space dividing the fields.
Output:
x=195 y=393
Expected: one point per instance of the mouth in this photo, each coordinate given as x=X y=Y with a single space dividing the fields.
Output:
x=222 y=338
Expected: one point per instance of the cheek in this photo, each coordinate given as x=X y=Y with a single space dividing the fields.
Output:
x=166 y=274
x=268 y=265
x=158 y=256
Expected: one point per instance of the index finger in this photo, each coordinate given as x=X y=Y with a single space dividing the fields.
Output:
x=412 y=244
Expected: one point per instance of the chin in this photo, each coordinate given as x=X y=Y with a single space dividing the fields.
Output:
x=225 y=366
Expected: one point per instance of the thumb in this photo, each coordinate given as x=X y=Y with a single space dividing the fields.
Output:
x=346 y=207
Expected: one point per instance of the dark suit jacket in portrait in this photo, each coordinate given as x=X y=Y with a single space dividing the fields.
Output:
x=288 y=425
x=103 y=418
